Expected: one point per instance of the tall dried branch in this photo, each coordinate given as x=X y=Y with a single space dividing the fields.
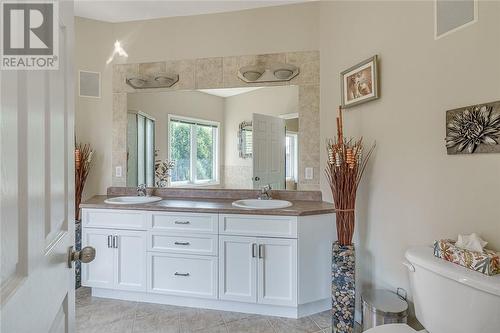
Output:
x=344 y=171
x=83 y=163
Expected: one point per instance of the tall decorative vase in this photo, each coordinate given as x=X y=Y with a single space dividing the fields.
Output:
x=78 y=247
x=343 y=288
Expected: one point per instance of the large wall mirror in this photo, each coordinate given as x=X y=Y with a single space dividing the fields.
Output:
x=215 y=129
x=239 y=138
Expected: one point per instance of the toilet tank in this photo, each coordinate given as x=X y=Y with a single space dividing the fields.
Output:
x=450 y=298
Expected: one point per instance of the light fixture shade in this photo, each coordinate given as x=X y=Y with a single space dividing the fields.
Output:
x=252 y=75
x=270 y=73
x=158 y=80
x=136 y=82
x=283 y=74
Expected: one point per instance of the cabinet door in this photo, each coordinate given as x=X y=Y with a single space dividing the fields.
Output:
x=238 y=268
x=277 y=271
x=99 y=272
x=130 y=262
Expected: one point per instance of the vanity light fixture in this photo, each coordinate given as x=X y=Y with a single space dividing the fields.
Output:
x=270 y=73
x=158 y=80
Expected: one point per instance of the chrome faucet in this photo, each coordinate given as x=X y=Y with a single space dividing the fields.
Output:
x=265 y=193
x=141 y=190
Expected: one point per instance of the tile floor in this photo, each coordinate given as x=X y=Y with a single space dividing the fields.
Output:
x=100 y=315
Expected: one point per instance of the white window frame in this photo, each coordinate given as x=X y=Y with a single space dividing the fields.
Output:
x=192 y=167
x=294 y=156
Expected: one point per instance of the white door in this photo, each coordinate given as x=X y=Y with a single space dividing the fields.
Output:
x=277 y=270
x=36 y=193
x=99 y=273
x=268 y=140
x=130 y=260
x=238 y=268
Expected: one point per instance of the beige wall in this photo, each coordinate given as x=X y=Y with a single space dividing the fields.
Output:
x=93 y=116
x=413 y=192
x=256 y=31
x=273 y=101
x=279 y=29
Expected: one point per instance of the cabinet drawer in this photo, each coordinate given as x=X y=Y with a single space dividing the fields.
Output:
x=202 y=244
x=184 y=222
x=194 y=276
x=114 y=219
x=258 y=225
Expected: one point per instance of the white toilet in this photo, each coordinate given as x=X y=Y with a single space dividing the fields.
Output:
x=449 y=298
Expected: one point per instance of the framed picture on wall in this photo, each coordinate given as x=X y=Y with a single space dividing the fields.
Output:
x=359 y=83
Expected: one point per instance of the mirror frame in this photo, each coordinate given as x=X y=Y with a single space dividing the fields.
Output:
x=243 y=127
x=222 y=72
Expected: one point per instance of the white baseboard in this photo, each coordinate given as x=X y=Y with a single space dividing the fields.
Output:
x=214 y=304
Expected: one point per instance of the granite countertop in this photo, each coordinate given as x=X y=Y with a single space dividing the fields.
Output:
x=209 y=205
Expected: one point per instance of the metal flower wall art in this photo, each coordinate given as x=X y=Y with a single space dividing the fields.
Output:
x=473 y=129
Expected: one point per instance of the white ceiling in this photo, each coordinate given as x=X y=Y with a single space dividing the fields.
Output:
x=228 y=92
x=133 y=10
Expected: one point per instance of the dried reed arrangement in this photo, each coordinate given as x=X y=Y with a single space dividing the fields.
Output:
x=345 y=168
x=83 y=163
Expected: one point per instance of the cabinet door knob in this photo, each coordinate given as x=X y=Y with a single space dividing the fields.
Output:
x=181 y=274
x=181 y=243
x=261 y=251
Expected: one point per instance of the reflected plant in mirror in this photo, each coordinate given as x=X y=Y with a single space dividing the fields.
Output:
x=162 y=172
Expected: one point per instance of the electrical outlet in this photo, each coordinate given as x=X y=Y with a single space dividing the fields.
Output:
x=118 y=171
x=309 y=173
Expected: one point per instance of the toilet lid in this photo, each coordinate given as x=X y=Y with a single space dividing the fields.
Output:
x=391 y=328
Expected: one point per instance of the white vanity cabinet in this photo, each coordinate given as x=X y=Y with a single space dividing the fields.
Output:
x=258 y=270
x=258 y=259
x=263 y=264
x=120 y=261
x=182 y=254
x=119 y=238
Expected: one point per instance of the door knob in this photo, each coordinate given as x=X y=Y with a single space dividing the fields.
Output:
x=256 y=178
x=86 y=255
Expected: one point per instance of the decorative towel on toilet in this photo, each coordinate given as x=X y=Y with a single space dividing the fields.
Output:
x=486 y=262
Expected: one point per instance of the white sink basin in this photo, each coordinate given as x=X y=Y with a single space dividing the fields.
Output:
x=131 y=200
x=261 y=204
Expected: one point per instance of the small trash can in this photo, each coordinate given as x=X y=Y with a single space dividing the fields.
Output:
x=382 y=307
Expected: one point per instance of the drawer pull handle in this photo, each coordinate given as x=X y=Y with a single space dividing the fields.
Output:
x=254 y=250
x=182 y=222
x=181 y=274
x=182 y=243
x=261 y=251
x=110 y=241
